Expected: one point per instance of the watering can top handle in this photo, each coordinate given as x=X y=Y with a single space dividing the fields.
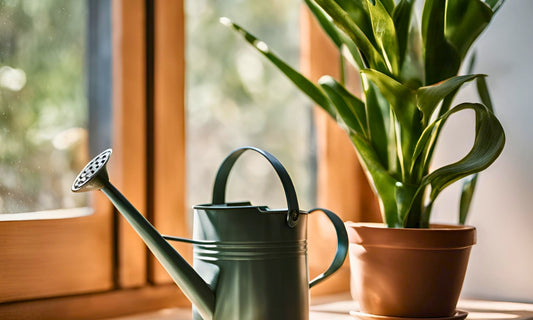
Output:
x=219 y=189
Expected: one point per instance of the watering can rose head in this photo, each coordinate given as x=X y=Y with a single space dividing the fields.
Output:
x=409 y=78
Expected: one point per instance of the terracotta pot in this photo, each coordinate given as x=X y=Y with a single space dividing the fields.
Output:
x=415 y=273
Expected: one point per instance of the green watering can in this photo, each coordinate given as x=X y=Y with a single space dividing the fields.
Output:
x=250 y=262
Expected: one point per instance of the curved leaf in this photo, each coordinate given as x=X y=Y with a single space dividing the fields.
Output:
x=401 y=98
x=427 y=98
x=469 y=183
x=488 y=144
x=306 y=86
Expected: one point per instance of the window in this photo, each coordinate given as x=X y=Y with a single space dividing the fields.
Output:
x=52 y=267
x=43 y=104
x=235 y=98
x=44 y=141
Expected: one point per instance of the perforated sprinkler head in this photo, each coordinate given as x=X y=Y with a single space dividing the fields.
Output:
x=94 y=176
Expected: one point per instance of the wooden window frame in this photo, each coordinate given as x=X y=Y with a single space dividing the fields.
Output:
x=148 y=166
x=114 y=275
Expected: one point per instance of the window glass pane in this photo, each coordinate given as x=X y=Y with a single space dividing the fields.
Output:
x=43 y=104
x=235 y=98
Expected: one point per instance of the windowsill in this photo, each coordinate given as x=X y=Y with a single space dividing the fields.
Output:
x=338 y=307
x=47 y=214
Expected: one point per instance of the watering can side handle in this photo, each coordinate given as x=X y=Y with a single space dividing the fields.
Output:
x=342 y=246
x=219 y=189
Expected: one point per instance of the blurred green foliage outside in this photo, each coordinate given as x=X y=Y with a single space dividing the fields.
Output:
x=43 y=105
x=236 y=98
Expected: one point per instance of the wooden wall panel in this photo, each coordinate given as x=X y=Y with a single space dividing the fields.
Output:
x=128 y=162
x=169 y=187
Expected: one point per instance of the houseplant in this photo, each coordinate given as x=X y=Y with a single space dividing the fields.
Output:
x=409 y=76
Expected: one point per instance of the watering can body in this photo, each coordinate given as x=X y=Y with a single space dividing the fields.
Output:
x=250 y=262
x=256 y=264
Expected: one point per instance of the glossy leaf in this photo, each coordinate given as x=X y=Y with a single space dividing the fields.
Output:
x=346 y=24
x=385 y=34
x=349 y=108
x=338 y=37
x=377 y=115
x=358 y=13
x=402 y=23
x=382 y=182
x=465 y=20
x=401 y=98
x=308 y=87
x=467 y=194
x=469 y=183
x=488 y=144
x=495 y=4
x=427 y=98
x=409 y=75
x=483 y=92
x=441 y=59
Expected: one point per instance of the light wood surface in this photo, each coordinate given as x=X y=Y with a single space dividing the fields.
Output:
x=338 y=307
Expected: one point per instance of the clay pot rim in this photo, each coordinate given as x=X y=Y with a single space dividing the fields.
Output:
x=437 y=237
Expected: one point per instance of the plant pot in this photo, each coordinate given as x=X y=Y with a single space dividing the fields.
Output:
x=408 y=273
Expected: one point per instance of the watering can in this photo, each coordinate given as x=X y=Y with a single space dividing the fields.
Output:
x=250 y=262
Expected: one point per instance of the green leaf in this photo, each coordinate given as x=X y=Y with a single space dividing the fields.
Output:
x=350 y=109
x=469 y=183
x=385 y=35
x=306 y=86
x=427 y=98
x=401 y=98
x=338 y=37
x=488 y=144
x=402 y=23
x=388 y=5
x=358 y=12
x=383 y=183
x=441 y=59
x=465 y=20
x=346 y=24
x=377 y=115
x=483 y=92
x=402 y=101
x=467 y=193
x=495 y=4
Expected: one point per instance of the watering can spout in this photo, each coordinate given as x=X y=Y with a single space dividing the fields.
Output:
x=94 y=177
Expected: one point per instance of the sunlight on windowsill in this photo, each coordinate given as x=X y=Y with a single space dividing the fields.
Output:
x=47 y=215
x=338 y=307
